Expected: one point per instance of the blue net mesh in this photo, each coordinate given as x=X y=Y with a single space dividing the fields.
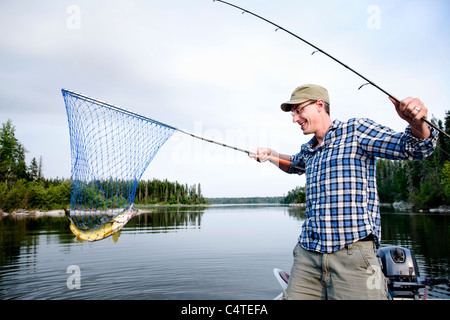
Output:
x=110 y=148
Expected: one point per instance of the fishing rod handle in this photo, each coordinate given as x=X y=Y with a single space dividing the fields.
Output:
x=279 y=161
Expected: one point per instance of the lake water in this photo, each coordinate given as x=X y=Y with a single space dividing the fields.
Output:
x=218 y=252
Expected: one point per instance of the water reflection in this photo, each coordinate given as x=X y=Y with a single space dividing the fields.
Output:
x=235 y=246
x=18 y=232
x=165 y=219
x=426 y=235
x=296 y=212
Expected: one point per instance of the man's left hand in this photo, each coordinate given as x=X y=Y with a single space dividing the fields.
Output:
x=412 y=110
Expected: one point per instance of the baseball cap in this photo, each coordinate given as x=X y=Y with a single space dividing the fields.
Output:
x=304 y=93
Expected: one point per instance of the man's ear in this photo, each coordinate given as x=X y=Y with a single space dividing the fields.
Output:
x=321 y=105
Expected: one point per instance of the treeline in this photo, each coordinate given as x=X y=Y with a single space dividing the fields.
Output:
x=24 y=187
x=55 y=194
x=297 y=195
x=45 y=194
x=165 y=192
x=12 y=158
x=425 y=183
x=245 y=200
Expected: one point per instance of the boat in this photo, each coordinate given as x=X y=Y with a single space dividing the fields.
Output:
x=401 y=271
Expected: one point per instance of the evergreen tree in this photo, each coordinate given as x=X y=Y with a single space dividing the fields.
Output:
x=40 y=175
x=12 y=155
x=33 y=170
x=445 y=181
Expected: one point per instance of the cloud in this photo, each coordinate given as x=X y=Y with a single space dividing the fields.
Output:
x=197 y=62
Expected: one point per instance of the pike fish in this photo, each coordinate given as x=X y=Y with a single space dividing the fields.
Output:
x=109 y=226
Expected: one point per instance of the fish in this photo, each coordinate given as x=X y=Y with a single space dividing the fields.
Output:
x=109 y=226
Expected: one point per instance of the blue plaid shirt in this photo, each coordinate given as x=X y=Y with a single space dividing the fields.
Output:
x=342 y=204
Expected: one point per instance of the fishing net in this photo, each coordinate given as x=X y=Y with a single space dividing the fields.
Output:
x=110 y=150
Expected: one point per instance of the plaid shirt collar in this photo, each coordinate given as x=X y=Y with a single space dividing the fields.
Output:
x=311 y=145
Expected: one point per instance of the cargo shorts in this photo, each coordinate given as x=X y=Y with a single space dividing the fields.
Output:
x=352 y=273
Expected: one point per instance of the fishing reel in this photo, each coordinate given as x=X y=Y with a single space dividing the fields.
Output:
x=402 y=273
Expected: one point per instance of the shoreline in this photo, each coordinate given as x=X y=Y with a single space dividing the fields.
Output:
x=33 y=213
x=59 y=213
x=397 y=206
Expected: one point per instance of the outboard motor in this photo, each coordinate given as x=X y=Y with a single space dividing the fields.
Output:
x=401 y=271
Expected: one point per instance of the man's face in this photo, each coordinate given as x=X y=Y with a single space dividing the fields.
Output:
x=305 y=114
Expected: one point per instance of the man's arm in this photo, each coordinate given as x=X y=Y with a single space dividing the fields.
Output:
x=264 y=154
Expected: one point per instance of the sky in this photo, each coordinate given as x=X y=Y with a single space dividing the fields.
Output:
x=214 y=71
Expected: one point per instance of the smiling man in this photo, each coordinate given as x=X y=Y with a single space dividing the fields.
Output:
x=335 y=257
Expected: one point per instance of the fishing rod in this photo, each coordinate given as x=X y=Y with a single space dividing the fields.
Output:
x=317 y=49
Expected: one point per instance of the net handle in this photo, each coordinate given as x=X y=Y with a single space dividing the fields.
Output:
x=133 y=114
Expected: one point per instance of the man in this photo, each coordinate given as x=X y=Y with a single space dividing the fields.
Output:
x=335 y=257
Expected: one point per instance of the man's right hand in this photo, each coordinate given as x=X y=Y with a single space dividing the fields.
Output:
x=262 y=154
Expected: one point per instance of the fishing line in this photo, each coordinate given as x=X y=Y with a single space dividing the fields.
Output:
x=317 y=49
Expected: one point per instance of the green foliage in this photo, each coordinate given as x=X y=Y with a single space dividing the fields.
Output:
x=23 y=187
x=52 y=194
x=30 y=195
x=246 y=200
x=12 y=154
x=165 y=192
x=425 y=183
x=445 y=181
x=297 y=195
x=107 y=194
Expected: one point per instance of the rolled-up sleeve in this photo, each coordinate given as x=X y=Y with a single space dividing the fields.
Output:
x=382 y=142
x=297 y=166
x=420 y=148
